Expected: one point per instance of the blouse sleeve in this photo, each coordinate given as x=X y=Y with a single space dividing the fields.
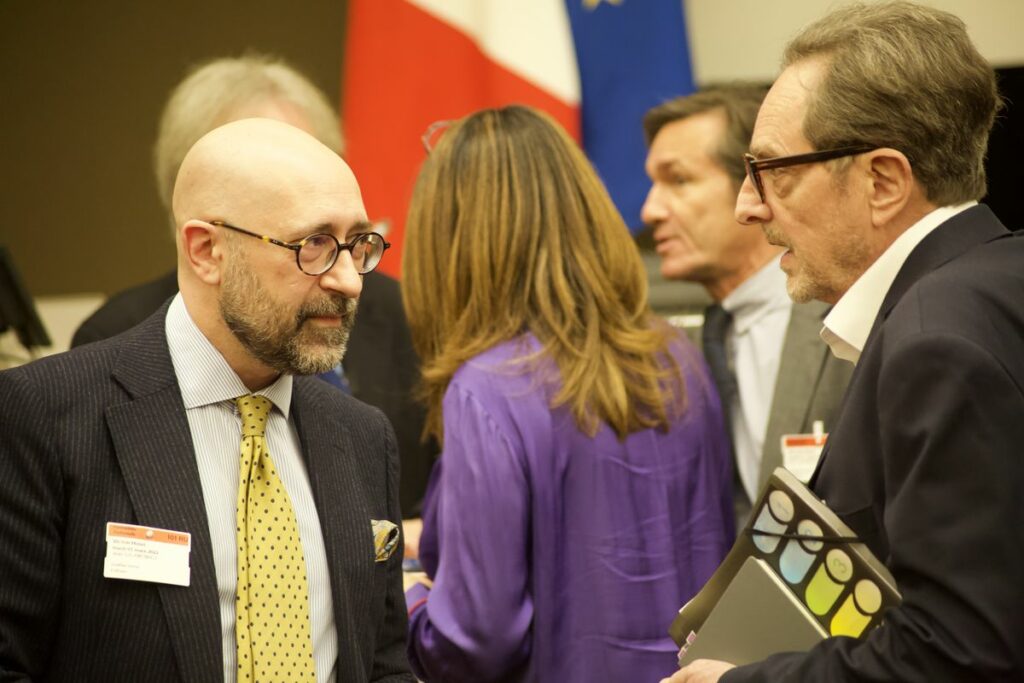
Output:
x=474 y=623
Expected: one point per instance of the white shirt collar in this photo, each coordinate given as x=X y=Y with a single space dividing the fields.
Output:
x=849 y=322
x=758 y=295
x=204 y=376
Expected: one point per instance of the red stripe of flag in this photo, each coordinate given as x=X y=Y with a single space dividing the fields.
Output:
x=405 y=69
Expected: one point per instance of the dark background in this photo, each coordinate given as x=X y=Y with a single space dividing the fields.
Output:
x=1006 y=152
x=82 y=87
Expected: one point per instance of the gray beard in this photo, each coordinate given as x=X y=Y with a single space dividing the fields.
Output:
x=293 y=346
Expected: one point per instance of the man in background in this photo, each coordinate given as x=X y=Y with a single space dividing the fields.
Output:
x=774 y=374
x=866 y=164
x=380 y=366
x=181 y=503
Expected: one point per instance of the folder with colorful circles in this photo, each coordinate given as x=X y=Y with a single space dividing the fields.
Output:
x=831 y=582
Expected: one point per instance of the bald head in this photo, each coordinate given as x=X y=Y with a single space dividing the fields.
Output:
x=237 y=170
x=249 y=297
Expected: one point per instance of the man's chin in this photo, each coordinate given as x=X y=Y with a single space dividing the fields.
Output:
x=679 y=269
x=799 y=289
x=317 y=361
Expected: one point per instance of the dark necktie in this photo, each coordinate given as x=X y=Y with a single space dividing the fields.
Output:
x=716 y=322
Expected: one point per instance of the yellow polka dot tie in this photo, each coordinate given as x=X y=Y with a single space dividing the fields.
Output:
x=272 y=632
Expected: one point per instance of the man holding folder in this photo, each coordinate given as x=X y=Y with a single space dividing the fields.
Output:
x=866 y=164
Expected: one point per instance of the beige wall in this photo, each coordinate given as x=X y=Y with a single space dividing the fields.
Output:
x=743 y=39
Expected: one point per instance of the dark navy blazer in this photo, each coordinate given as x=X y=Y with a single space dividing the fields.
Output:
x=926 y=464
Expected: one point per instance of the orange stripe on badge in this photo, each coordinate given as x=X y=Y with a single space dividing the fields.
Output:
x=147 y=534
x=804 y=441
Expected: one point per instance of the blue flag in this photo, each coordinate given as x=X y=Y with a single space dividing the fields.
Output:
x=632 y=55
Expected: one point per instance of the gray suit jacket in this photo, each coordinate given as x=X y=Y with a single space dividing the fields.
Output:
x=810 y=386
x=99 y=434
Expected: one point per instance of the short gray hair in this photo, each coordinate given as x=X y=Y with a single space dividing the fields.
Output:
x=215 y=90
x=904 y=76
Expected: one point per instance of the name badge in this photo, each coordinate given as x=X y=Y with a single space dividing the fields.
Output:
x=800 y=452
x=142 y=553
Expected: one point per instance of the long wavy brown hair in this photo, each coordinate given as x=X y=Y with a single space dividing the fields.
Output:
x=510 y=231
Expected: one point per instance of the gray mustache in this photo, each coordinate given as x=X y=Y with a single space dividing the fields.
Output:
x=340 y=306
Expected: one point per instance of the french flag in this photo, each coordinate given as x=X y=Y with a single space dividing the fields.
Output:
x=594 y=65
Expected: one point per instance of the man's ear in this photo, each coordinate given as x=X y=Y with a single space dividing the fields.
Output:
x=204 y=250
x=892 y=184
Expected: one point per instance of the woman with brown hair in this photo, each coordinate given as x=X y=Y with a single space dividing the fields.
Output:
x=583 y=493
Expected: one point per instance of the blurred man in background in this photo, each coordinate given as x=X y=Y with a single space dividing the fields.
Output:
x=774 y=374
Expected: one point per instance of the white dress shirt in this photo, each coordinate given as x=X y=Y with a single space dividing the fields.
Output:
x=760 y=309
x=209 y=388
x=849 y=322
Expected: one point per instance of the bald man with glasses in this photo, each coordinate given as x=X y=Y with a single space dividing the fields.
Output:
x=183 y=502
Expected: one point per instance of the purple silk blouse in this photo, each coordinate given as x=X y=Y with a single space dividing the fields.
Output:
x=561 y=557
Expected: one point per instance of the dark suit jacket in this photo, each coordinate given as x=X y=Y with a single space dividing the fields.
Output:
x=380 y=363
x=99 y=434
x=926 y=465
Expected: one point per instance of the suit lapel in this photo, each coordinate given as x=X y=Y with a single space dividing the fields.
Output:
x=153 y=446
x=803 y=356
x=335 y=479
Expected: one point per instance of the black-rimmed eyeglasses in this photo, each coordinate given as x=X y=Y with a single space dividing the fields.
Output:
x=317 y=254
x=755 y=166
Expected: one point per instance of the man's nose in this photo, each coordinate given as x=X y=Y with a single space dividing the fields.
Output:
x=749 y=207
x=343 y=277
x=653 y=210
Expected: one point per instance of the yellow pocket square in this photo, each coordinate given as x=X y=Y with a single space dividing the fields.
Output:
x=385 y=538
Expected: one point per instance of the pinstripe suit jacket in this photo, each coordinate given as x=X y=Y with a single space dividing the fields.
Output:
x=99 y=434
